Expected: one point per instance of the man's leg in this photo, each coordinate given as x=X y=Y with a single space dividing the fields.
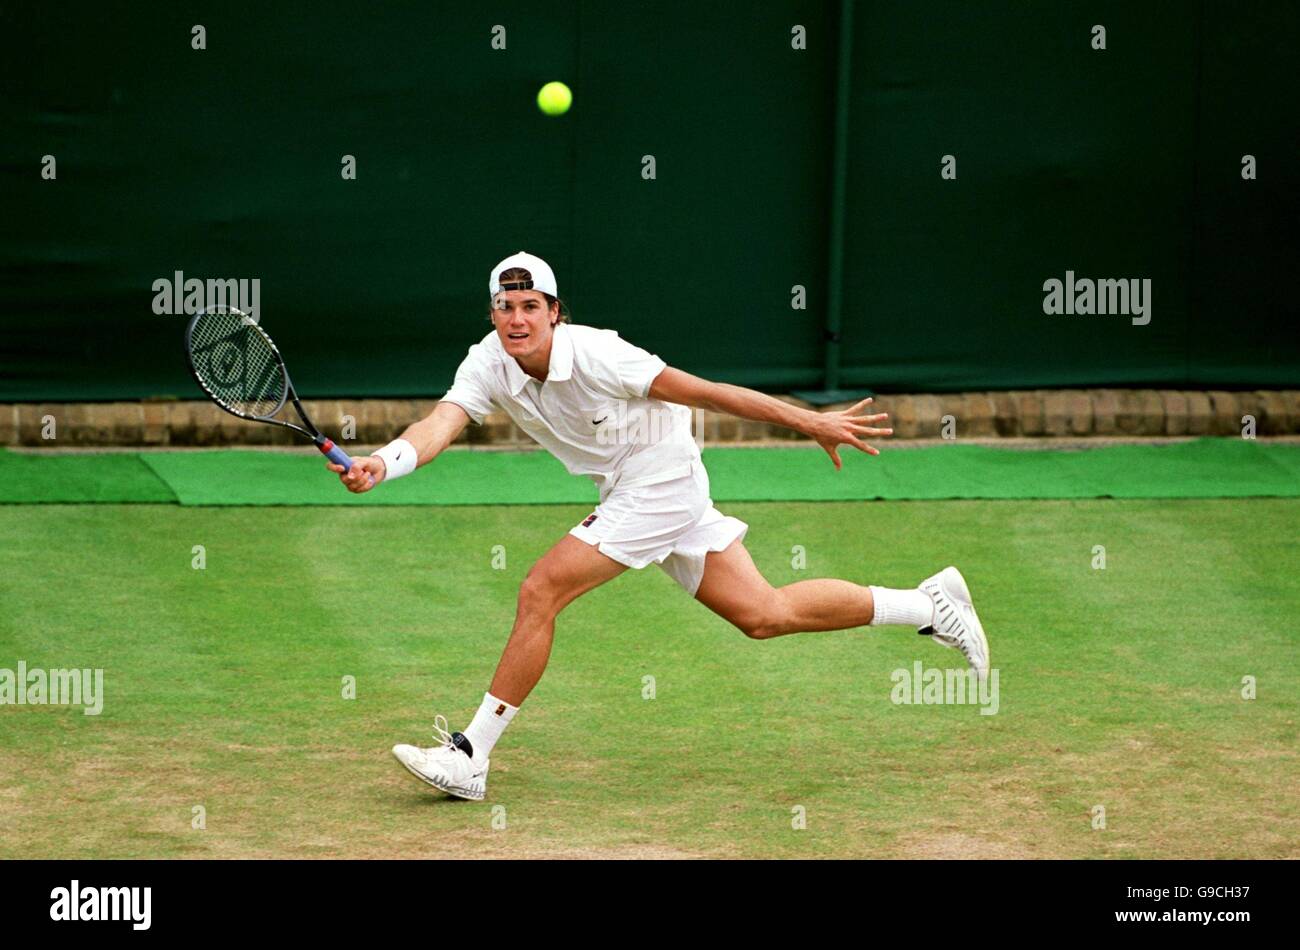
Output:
x=733 y=588
x=565 y=572
x=568 y=570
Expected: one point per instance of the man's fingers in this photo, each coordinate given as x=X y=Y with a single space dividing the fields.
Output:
x=853 y=410
x=869 y=430
x=862 y=446
x=834 y=453
x=355 y=479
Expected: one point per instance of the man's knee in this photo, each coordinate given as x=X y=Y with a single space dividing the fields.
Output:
x=538 y=595
x=765 y=619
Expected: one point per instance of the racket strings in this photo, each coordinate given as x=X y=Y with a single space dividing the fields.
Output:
x=236 y=363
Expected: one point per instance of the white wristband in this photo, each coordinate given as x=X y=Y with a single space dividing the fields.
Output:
x=399 y=458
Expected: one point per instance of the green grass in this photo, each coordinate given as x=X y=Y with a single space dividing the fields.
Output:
x=1118 y=687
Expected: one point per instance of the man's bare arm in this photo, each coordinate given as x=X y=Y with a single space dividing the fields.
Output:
x=829 y=429
x=429 y=436
x=436 y=431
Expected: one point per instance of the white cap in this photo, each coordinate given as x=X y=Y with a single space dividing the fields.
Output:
x=543 y=277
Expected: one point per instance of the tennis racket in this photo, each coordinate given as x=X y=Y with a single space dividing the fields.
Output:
x=236 y=364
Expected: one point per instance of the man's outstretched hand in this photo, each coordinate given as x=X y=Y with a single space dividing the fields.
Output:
x=847 y=427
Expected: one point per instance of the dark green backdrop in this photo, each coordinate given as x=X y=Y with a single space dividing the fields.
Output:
x=225 y=163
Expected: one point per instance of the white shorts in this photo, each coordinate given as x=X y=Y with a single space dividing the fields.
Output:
x=672 y=524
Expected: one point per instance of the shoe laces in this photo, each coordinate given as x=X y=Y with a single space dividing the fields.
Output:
x=441 y=733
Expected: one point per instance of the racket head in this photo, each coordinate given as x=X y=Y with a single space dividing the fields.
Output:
x=235 y=362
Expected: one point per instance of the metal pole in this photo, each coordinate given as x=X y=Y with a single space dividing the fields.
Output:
x=839 y=188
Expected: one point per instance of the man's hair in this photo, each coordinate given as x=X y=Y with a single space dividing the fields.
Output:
x=522 y=273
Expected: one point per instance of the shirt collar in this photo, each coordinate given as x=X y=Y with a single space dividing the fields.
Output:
x=560 y=368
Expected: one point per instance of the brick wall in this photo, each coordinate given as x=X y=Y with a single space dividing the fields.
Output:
x=1072 y=413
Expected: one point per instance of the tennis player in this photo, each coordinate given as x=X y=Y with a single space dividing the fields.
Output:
x=620 y=416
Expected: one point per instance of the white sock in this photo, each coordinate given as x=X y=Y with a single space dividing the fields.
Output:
x=912 y=608
x=489 y=722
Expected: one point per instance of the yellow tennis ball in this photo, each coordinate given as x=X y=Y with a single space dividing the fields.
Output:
x=554 y=98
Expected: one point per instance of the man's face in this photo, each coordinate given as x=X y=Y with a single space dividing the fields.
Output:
x=523 y=321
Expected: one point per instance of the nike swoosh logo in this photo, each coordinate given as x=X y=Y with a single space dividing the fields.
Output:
x=597 y=422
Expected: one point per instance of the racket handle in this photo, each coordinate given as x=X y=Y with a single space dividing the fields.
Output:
x=336 y=454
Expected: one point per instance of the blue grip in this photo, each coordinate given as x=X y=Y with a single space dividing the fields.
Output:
x=337 y=455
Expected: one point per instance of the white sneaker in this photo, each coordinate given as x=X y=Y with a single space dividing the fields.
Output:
x=450 y=766
x=955 y=621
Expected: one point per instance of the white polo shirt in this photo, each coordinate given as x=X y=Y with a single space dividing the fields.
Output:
x=592 y=413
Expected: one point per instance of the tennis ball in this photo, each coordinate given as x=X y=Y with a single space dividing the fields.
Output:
x=554 y=98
